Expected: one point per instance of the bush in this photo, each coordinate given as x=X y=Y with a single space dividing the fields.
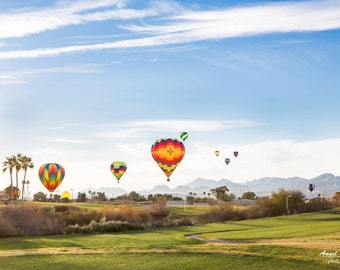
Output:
x=75 y=215
x=224 y=212
x=30 y=221
x=125 y=213
x=103 y=227
x=159 y=209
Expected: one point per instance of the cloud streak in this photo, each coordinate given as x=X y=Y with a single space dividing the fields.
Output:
x=187 y=27
x=21 y=24
x=20 y=77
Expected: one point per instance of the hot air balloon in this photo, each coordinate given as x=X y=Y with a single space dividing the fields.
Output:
x=15 y=190
x=227 y=161
x=51 y=175
x=167 y=153
x=184 y=135
x=118 y=168
x=311 y=187
x=66 y=195
x=217 y=153
x=235 y=153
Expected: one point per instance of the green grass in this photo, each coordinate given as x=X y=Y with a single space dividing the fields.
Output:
x=283 y=227
x=287 y=242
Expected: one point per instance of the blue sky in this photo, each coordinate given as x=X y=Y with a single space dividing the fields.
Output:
x=85 y=83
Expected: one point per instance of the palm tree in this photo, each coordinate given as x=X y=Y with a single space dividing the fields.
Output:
x=26 y=163
x=17 y=168
x=9 y=164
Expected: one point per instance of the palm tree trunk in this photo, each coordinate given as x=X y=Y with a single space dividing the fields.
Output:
x=17 y=179
x=23 y=186
x=11 y=186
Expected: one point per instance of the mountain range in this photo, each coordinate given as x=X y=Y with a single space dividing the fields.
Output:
x=325 y=185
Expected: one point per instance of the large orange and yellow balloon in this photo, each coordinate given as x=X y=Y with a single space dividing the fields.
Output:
x=118 y=168
x=168 y=153
x=51 y=175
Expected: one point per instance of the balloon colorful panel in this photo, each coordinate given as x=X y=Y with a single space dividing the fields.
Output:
x=51 y=175
x=184 y=135
x=311 y=187
x=168 y=153
x=16 y=192
x=118 y=168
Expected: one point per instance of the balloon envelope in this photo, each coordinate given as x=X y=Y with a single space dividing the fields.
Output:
x=217 y=153
x=51 y=175
x=184 y=135
x=66 y=195
x=235 y=153
x=16 y=192
x=118 y=168
x=167 y=153
x=227 y=161
x=311 y=187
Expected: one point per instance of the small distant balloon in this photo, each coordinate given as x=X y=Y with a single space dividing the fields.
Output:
x=184 y=135
x=235 y=153
x=66 y=195
x=167 y=153
x=217 y=153
x=311 y=187
x=118 y=168
x=51 y=175
x=227 y=161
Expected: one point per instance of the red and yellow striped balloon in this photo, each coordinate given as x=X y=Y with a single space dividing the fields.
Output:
x=51 y=175
x=167 y=153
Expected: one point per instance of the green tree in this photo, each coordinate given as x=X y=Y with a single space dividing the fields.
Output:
x=8 y=165
x=134 y=196
x=101 y=196
x=190 y=199
x=17 y=168
x=250 y=195
x=221 y=194
x=26 y=163
x=81 y=197
x=294 y=199
x=40 y=197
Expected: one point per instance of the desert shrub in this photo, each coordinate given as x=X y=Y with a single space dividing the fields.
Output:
x=75 y=215
x=6 y=228
x=30 y=220
x=175 y=220
x=103 y=227
x=159 y=210
x=125 y=213
x=223 y=213
x=64 y=208
x=318 y=204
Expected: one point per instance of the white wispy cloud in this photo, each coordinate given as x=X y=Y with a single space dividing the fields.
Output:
x=140 y=128
x=21 y=23
x=194 y=125
x=192 y=26
x=22 y=76
x=70 y=141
